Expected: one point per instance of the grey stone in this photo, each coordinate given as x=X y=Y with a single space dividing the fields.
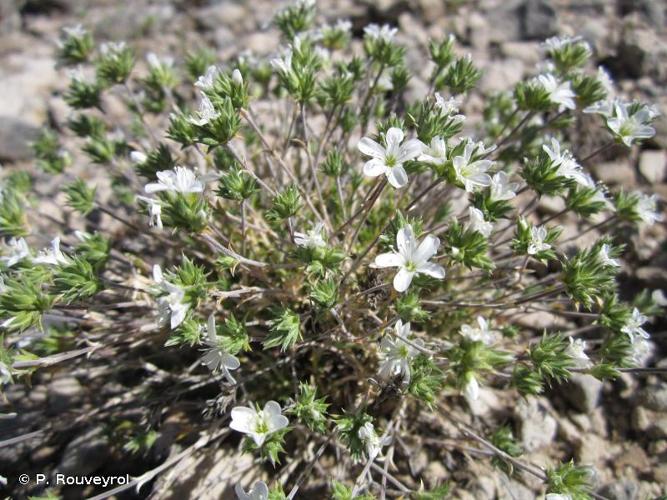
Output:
x=616 y=172
x=10 y=17
x=15 y=139
x=539 y=20
x=622 y=490
x=653 y=165
x=537 y=428
x=63 y=393
x=654 y=397
x=501 y=75
x=583 y=392
x=653 y=11
x=85 y=454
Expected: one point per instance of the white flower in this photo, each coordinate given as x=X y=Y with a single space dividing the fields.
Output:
x=501 y=187
x=557 y=496
x=237 y=77
x=138 y=157
x=52 y=256
x=216 y=357
x=559 y=42
x=171 y=306
x=577 y=351
x=411 y=258
x=258 y=424
x=567 y=165
x=482 y=332
x=449 y=107
x=389 y=160
x=659 y=298
x=5 y=375
x=206 y=113
x=311 y=239
x=641 y=351
x=371 y=440
x=178 y=180
x=471 y=389
x=205 y=81
x=604 y=108
x=385 y=32
x=396 y=353
x=559 y=93
x=155 y=62
x=435 y=153
x=17 y=251
x=477 y=223
x=603 y=253
x=633 y=326
x=154 y=211
x=537 y=244
x=259 y=491
x=606 y=81
x=472 y=174
x=646 y=208
x=628 y=127
x=283 y=64
x=112 y=48
x=76 y=31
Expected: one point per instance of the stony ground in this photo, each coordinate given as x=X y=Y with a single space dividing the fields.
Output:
x=620 y=428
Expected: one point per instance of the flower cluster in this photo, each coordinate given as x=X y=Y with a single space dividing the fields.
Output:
x=346 y=254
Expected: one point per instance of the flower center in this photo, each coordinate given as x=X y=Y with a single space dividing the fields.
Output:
x=411 y=266
x=391 y=161
x=403 y=352
x=261 y=427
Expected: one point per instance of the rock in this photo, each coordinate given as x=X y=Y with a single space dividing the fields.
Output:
x=615 y=172
x=592 y=449
x=85 y=454
x=654 y=397
x=650 y=422
x=537 y=428
x=660 y=474
x=506 y=24
x=652 y=11
x=582 y=391
x=478 y=31
x=653 y=165
x=501 y=75
x=639 y=52
x=597 y=32
x=15 y=139
x=125 y=23
x=623 y=490
x=224 y=14
x=485 y=403
x=527 y=52
x=63 y=393
x=10 y=17
x=539 y=20
x=632 y=456
x=435 y=473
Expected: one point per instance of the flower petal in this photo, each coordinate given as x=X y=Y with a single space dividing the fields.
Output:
x=427 y=248
x=405 y=242
x=242 y=419
x=374 y=167
x=389 y=259
x=411 y=150
x=394 y=137
x=397 y=177
x=370 y=148
x=403 y=279
x=431 y=269
x=272 y=408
